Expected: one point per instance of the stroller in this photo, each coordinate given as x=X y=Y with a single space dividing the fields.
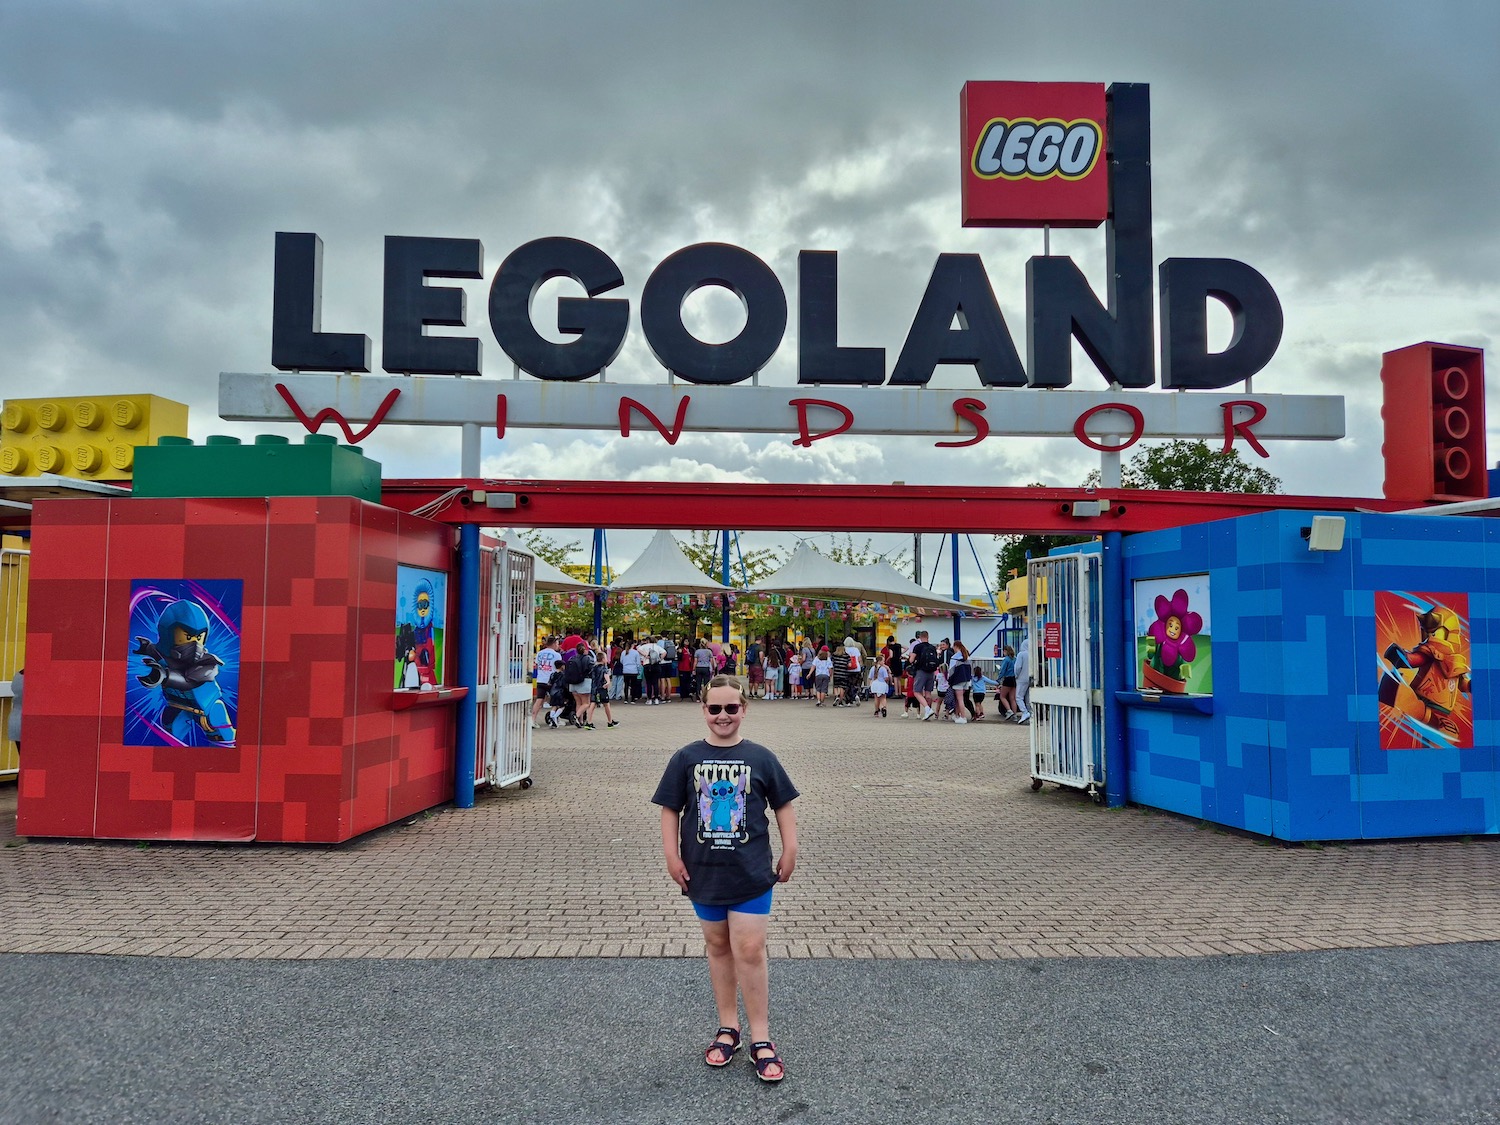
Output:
x=559 y=699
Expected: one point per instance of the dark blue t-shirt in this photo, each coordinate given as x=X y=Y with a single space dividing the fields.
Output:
x=722 y=794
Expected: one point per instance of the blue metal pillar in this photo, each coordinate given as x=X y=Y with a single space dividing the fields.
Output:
x=598 y=578
x=1118 y=642
x=469 y=636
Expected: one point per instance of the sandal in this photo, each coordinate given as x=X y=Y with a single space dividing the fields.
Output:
x=722 y=1054
x=764 y=1064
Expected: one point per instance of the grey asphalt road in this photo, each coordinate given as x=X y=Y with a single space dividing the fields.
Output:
x=1387 y=1035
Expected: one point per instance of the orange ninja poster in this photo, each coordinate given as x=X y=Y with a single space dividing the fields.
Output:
x=1422 y=648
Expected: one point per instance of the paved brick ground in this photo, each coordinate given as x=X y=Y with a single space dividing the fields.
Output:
x=918 y=841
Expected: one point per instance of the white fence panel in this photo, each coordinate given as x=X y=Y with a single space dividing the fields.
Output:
x=508 y=578
x=1067 y=659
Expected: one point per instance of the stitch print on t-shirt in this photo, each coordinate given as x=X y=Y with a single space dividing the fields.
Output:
x=721 y=789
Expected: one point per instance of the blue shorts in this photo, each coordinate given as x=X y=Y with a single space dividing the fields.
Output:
x=760 y=905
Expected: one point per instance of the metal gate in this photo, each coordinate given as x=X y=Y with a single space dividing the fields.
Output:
x=503 y=730
x=1067 y=661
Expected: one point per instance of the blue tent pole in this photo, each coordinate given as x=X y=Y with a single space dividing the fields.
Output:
x=958 y=615
x=724 y=598
x=469 y=636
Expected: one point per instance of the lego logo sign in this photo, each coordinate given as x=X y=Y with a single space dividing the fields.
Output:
x=1027 y=149
x=1034 y=154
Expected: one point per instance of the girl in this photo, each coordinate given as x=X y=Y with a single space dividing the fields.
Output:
x=980 y=686
x=880 y=686
x=822 y=672
x=716 y=839
x=960 y=673
x=773 y=670
x=1006 y=674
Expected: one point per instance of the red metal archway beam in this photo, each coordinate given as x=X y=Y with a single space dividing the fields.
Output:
x=836 y=507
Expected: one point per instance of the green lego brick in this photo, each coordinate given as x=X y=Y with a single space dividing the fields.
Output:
x=273 y=466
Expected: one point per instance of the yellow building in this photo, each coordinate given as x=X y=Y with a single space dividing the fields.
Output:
x=15 y=568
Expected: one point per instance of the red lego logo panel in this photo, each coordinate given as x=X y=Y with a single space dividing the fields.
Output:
x=1034 y=154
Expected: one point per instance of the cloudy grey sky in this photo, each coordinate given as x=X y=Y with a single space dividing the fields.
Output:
x=149 y=151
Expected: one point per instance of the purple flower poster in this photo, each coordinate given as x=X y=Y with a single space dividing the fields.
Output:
x=1173 y=635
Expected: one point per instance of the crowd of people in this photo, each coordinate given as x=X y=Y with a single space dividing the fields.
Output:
x=578 y=681
x=936 y=682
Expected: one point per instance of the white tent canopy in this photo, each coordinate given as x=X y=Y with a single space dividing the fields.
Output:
x=662 y=568
x=808 y=574
x=892 y=579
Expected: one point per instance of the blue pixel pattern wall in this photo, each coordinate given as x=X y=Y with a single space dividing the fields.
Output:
x=1289 y=744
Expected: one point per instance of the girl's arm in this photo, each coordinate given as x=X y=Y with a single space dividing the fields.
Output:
x=786 y=824
x=675 y=867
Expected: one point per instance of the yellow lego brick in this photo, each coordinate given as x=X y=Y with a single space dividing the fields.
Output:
x=87 y=438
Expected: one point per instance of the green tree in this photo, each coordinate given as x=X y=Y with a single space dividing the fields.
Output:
x=1192 y=466
x=550 y=550
x=705 y=550
x=847 y=552
x=1016 y=549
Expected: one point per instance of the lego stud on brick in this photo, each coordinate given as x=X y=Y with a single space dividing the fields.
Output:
x=87 y=416
x=51 y=416
x=16 y=419
x=87 y=458
x=122 y=457
x=13 y=460
x=49 y=459
x=126 y=414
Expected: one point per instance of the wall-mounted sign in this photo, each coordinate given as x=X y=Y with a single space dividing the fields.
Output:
x=421 y=611
x=1425 y=660
x=183 y=675
x=955 y=419
x=1174 y=635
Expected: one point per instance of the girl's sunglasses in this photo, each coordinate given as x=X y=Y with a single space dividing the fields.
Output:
x=727 y=708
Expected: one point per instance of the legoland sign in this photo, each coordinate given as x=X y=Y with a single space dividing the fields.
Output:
x=1063 y=154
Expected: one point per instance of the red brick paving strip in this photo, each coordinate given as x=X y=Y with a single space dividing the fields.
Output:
x=918 y=841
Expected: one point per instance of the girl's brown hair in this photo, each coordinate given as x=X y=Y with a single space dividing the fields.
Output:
x=723 y=680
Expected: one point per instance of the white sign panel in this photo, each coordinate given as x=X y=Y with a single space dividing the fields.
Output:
x=953 y=417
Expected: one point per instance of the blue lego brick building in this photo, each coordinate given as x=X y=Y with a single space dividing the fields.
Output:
x=1294 y=740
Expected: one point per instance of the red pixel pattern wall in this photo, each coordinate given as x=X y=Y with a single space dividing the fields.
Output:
x=319 y=756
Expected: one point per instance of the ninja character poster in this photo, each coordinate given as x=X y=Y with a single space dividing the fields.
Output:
x=183 y=673
x=421 y=597
x=1422 y=647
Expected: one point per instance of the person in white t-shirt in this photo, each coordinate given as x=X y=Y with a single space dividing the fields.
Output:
x=547 y=660
x=651 y=655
